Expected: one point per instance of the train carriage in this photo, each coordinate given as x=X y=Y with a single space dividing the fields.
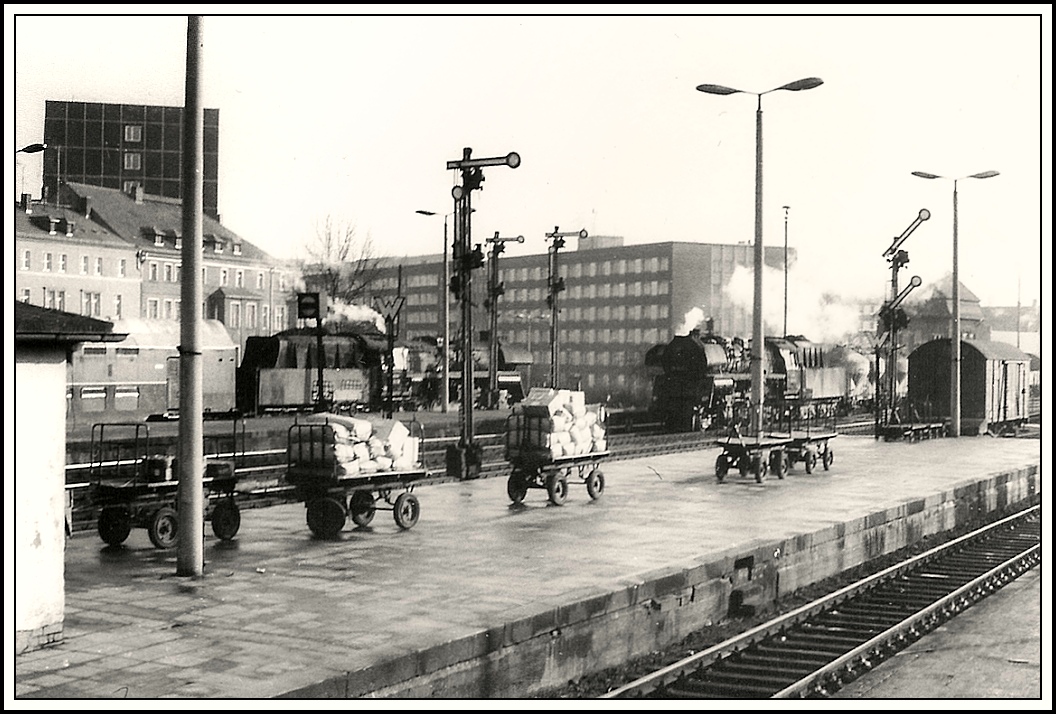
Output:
x=994 y=385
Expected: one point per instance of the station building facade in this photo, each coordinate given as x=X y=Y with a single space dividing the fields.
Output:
x=619 y=300
x=107 y=254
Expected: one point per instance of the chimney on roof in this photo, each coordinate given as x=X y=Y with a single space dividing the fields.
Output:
x=25 y=204
x=138 y=193
x=86 y=206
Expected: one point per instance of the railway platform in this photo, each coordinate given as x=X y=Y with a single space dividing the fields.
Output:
x=488 y=599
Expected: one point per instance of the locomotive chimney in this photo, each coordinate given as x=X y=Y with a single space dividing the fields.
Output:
x=695 y=332
x=709 y=326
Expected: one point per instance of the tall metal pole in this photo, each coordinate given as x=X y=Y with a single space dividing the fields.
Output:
x=955 y=343
x=495 y=291
x=757 y=304
x=445 y=352
x=191 y=497
x=784 y=330
x=554 y=312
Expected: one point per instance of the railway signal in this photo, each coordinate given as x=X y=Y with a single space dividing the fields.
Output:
x=893 y=319
x=495 y=290
x=555 y=285
x=464 y=458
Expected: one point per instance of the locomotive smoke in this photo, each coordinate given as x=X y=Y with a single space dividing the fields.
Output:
x=815 y=312
x=356 y=313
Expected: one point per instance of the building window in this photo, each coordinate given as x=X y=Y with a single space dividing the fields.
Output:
x=168 y=309
x=280 y=317
x=263 y=316
x=154 y=272
x=117 y=307
x=236 y=314
x=152 y=308
x=168 y=272
x=260 y=281
x=47 y=262
x=282 y=281
x=93 y=399
x=251 y=316
x=126 y=399
x=237 y=248
x=62 y=263
x=129 y=186
x=85 y=260
x=122 y=267
x=176 y=308
x=133 y=133
x=239 y=279
x=98 y=266
x=25 y=295
x=60 y=301
x=133 y=161
x=223 y=276
x=26 y=260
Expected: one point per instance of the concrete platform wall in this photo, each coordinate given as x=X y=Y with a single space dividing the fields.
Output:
x=540 y=651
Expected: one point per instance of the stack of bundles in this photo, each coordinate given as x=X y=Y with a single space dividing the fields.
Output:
x=558 y=421
x=351 y=445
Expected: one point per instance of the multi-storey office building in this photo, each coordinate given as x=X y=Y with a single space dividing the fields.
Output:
x=618 y=302
x=118 y=145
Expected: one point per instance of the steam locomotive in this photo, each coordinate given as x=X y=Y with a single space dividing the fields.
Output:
x=705 y=379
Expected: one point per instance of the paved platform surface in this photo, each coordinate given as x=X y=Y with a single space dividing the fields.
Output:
x=278 y=610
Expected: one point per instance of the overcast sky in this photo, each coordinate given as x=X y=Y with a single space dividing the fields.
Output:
x=357 y=116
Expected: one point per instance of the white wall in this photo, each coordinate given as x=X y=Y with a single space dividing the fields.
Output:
x=39 y=508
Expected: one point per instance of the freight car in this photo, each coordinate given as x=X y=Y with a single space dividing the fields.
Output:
x=705 y=380
x=138 y=378
x=995 y=387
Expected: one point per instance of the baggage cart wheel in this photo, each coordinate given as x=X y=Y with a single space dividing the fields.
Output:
x=826 y=460
x=722 y=467
x=809 y=460
x=405 y=511
x=595 y=484
x=361 y=506
x=556 y=488
x=778 y=463
x=163 y=527
x=326 y=517
x=226 y=519
x=759 y=468
x=516 y=488
x=115 y=524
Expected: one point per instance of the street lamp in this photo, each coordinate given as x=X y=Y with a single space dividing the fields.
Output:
x=29 y=149
x=757 y=307
x=784 y=329
x=955 y=346
x=445 y=353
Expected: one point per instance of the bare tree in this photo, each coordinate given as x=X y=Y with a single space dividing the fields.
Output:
x=340 y=264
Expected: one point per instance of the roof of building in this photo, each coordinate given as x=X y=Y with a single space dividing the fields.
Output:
x=41 y=324
x=935 y=300
x=35 y=223
x=166 y=333
x=123 y=215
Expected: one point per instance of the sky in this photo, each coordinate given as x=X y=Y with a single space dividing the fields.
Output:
x=356 y=117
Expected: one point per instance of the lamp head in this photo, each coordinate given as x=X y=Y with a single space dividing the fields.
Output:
x=716 y=89
x=924 y=174
x=985 y=174
x=32 y=149
x=426 y=213
x=801 y=84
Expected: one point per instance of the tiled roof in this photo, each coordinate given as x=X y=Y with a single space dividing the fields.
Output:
x=124 y=216
x=35 y=225
x=41 y=324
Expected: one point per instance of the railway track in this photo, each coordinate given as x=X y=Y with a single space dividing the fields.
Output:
x=813 y=650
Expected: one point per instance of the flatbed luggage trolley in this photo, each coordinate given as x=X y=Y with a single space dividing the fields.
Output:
x=336 y=477
x=808 y=448
x=754 y=457
x=532 y=449
x=133 y=487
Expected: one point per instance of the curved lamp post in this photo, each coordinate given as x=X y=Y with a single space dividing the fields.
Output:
x=757 y=307
x=445 y=351
x=29 y=149
x=955 y=337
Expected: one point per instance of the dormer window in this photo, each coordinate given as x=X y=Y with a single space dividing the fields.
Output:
x=159 y=240
x=218 y=247
x=179 y=242
x=237 y=248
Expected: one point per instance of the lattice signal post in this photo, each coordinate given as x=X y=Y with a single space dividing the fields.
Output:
x=556 y=285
